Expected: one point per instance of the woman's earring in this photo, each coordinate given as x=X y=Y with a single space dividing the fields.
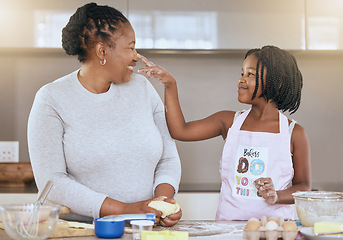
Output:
x=103 y=62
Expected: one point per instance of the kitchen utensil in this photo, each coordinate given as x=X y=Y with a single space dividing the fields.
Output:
x=318 y=206
x=113 y=226
x=12 y=216
x=28 y=226
x=64 y=210
x=138 y=226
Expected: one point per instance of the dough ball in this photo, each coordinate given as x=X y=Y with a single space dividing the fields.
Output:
x=253 y=225
x=289 y=226
x=165 y=207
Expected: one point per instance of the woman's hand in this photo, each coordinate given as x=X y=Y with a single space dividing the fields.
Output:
x=114 y=207
x=265 y=188
x=171 y=219
x=142 y=207
x=156 y=71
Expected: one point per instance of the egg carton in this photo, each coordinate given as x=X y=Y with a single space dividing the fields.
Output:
x=270 y=229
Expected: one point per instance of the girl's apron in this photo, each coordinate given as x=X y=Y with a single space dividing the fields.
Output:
x=246 y=157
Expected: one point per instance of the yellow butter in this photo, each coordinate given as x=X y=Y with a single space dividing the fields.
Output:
x=165 y=235
x=320 y=227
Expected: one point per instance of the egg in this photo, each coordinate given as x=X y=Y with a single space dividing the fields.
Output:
x=253 y=225
x=263 y=220
x=273 y=219
x=253 y=219
x=289 y=226
x=280 y=221
x=271 y=225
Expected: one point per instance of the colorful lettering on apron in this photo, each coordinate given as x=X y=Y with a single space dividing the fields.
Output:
x=251 y=163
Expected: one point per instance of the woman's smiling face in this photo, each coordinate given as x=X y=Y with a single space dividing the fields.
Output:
x=122 y=57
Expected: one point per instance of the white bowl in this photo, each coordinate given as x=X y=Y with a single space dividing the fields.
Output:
x=29 y=221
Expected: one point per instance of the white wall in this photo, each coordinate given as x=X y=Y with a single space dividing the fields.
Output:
x=198 y=206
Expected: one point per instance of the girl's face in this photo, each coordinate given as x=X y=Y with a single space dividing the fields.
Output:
x=122 y=57
x=247 y=81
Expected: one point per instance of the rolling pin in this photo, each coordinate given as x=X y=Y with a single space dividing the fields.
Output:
x=64 y=210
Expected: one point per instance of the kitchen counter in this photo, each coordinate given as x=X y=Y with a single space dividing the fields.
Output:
x=198 y=229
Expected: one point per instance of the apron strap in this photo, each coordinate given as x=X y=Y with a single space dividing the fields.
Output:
x=291 y=126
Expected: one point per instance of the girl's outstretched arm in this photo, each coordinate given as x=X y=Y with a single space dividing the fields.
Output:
x=212 y=126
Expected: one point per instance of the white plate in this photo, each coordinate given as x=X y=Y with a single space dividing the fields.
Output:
x=308 y=233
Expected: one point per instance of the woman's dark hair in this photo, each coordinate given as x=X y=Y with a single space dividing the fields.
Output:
x=87 y=25
x=283 y=79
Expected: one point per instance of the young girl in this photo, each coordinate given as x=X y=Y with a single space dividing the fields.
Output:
x=266 y=156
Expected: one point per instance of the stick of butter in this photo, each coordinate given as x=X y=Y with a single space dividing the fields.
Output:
x=165 y=235
x=321 y=227
x=165 y=207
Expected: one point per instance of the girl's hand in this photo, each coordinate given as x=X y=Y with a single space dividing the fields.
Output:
x=156 y=71
x=265 y=188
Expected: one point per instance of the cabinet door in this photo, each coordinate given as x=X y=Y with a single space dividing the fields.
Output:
x=218 y=24
x=39 y=23
x=324 y=24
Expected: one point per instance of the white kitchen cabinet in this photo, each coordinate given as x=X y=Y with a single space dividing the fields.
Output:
x=39 y=23
x=218 y=24
x=324 y=24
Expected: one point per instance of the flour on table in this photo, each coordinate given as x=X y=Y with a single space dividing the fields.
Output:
x=207 y=228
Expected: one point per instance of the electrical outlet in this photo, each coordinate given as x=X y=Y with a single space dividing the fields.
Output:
x=9 y=151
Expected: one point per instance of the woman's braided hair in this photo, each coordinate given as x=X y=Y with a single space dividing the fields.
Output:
x=87 y=25
x=283 y=79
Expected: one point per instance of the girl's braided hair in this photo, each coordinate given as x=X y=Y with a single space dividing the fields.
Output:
x=87 y=25
x=283 y=79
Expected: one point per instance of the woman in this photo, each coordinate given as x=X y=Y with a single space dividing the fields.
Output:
x=99 y=133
